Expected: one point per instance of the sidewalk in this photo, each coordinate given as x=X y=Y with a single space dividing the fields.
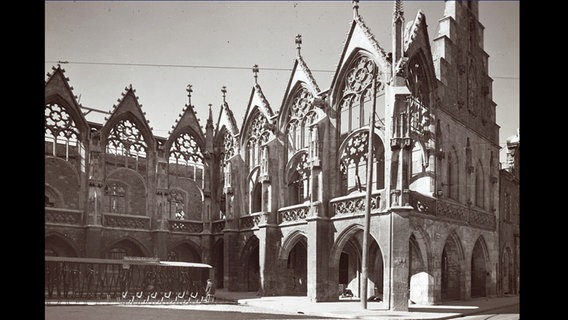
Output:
x=352 y=309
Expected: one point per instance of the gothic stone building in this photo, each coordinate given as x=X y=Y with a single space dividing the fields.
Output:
x=277 y=204
x=509 y=220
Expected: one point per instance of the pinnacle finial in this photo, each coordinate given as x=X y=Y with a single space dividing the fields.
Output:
x=298 y=43
x=189 y=91
x=355 y=8
x=224 y=91
x=255 y=70
x=398 y=9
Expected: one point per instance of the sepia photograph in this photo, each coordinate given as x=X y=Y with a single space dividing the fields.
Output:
x=282 y=159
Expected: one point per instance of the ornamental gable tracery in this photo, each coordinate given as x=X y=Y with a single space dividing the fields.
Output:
x=355 y=92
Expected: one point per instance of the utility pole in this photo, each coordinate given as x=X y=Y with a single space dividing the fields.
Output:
x=366 y=232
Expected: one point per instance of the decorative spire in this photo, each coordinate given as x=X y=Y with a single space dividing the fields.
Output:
x=255 y=71
x=210 y=118
x=298 y=43
x=189 y=91
x=224 y=91
x=398 y=12
x=355 y=8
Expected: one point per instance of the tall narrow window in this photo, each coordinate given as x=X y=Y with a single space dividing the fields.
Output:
x=176 y=205
x=299 y=180
x=479 y=188
x=115 y=194
x=356 y=94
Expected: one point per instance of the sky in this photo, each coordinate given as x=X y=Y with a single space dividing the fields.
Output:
x=159 y=47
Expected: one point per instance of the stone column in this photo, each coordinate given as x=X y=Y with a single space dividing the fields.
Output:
x=318 y=260
x=94 y=210
x=396 y=280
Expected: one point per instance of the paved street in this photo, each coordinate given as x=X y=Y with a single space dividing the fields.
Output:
x=118 y=312
x=506 y=313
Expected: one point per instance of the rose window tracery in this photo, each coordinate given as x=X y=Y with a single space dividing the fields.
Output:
x=185 y=147
x=357 y=93
x=58 y=123
x=125 y=139
x=360 y=76
x=355 y=152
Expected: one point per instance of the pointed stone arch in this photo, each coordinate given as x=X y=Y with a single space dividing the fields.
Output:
x=352 y=93
x=507 y=271
x=480 y=266
x=62 y=175
x=290 y=241
x=421 y=279
x=250 y=264
x=352 y=160
x=293 y=253
x=254 y=191
x=346 y=257
x=57 y=244
x=452 y=268
x=185 y=250
x=480 y=185
x=127 y=246
x=134 y=187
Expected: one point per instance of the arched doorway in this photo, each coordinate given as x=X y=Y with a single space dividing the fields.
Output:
x=451 y=270
x=55 y=245
x=507 y=271
x=185 y=252
x=251 y=266
x=124 y=248
x=349 y=266
x=478 y=271
x=297 y=269
x=419 y=279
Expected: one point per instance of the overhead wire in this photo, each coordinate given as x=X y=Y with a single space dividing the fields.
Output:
x=206 y=67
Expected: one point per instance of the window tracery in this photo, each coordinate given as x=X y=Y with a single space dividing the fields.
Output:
x=125 y=141
x=186 y=158
x=353 y=163
x=115 y=194
x=299 y=180
x=356 y=92
x=258 y=134
x=176 y=205
x=62 y=134
x=299 y=119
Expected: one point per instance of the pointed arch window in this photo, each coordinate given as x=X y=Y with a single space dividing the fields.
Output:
x=452 y=176
x=186 y=158
x=62 y=136
x=126 y=146
x=417 y=81
x=353 y=163
x=115 y=195
x=472 y=90
x=355 y=102
x=479 y=187
x=228 y=146
x=257 y=135
x=299 y=180
x=117 y=253
x=176 y=205
x=298 y=124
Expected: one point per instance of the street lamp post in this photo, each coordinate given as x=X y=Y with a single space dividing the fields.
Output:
x=369 y=187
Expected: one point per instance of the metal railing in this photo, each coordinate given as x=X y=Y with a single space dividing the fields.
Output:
x=130 y=280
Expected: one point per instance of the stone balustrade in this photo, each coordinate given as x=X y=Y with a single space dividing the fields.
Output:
x=63 y=216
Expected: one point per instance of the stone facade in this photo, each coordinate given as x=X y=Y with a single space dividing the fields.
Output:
x=278 y=204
